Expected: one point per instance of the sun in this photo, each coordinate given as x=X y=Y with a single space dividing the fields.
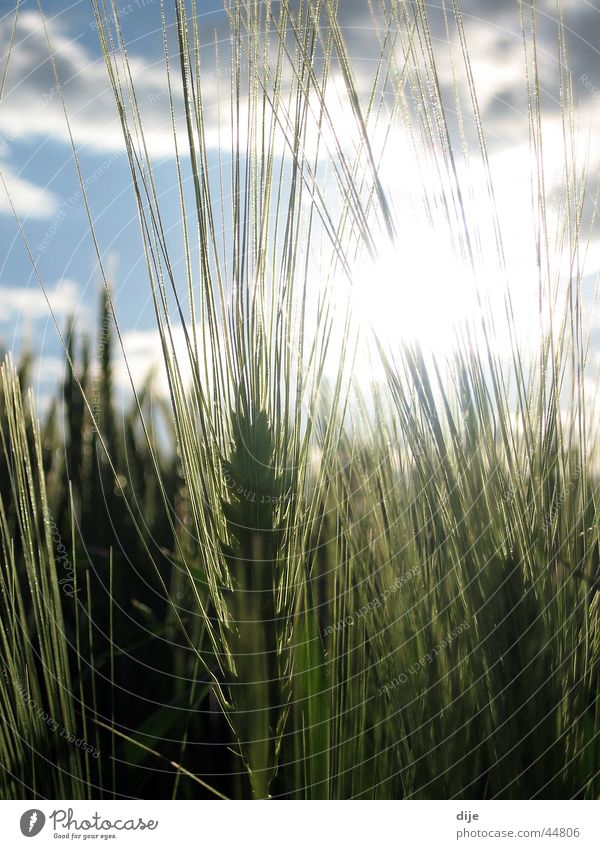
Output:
x=472 y=272
x=416 y=291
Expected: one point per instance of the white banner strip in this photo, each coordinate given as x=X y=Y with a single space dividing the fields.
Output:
x=351 y=825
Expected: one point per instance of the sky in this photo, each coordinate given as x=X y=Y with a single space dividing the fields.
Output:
x=37 y=165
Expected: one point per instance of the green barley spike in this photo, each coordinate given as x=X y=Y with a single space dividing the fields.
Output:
x=251 y=552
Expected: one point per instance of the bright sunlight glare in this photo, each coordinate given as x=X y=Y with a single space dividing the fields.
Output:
x=441 y=275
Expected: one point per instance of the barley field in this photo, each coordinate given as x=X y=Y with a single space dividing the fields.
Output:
x=341 y=541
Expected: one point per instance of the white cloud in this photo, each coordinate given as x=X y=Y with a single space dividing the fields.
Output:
x=48 y=370
x=29 y=199
x=144 y=353
x=30 y=303
x=32 y=107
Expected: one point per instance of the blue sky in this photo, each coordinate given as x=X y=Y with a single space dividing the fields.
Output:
x=36 y=160
x=37 y=164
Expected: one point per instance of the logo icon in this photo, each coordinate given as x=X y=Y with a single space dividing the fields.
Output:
x=32 y=822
